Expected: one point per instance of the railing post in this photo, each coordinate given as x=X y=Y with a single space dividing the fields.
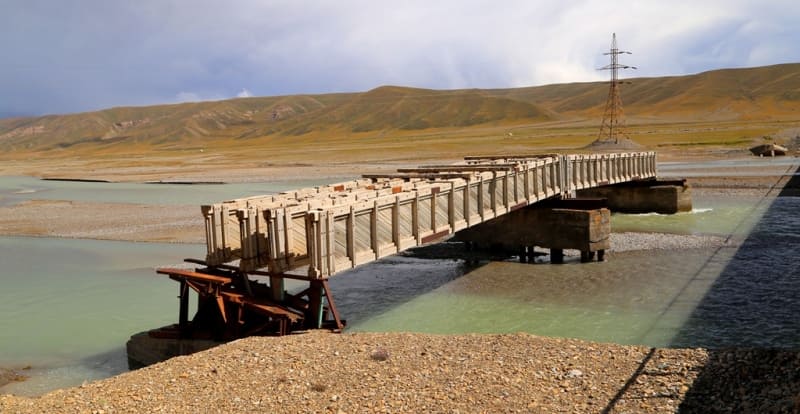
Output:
x=351 y=235
x=373 y=230
x=415 y=218
x=313 y=241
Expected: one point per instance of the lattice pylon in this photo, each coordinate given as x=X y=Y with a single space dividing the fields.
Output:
x=612 y=129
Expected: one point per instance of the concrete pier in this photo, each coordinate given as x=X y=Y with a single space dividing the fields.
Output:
x=578 y=224
x=645 y=196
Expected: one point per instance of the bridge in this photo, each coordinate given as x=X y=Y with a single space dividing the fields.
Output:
x=325 y=230
x=312 y=234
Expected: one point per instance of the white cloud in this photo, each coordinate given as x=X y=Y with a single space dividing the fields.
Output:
x=244 y=93
x=142 y=52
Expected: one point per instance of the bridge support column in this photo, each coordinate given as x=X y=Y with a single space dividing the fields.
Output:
x=577 y=224
x=277 y=288
x=557 y=256
x=315 y=306
x=645 y=196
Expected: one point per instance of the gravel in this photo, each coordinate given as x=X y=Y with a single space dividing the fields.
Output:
x=400 y=372
x=628 y=241
x=321 y=372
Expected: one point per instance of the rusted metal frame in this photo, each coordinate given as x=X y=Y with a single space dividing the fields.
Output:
x=206 y=291
x=183 y=305
x=332 y=305
x=251 y=272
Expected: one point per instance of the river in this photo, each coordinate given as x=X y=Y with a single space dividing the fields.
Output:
x=68 y=306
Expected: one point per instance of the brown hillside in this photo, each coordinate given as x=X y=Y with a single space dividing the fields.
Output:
x=764 y=93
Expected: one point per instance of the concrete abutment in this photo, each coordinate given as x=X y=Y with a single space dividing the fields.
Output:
x=645 y=196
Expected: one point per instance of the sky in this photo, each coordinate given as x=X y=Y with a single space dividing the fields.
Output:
x=63 y=56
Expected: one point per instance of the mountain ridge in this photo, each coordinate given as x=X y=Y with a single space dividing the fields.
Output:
x=761 y=93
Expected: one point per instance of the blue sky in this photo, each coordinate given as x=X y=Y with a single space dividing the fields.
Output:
x=79 y=55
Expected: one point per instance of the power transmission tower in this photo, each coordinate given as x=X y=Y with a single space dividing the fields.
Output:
x=612 y=129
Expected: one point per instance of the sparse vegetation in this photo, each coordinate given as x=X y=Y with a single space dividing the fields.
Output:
x=391 y=124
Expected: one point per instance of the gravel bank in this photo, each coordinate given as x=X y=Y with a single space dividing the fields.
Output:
x=373 y=372
x=629 y=241
x=320 y=372
x=104 y=221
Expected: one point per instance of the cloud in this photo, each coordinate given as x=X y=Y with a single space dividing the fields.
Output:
x=91 y=54
x=244 y=93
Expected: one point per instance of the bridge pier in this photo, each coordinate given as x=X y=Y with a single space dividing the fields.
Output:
x=644 y=196
x=579 y=224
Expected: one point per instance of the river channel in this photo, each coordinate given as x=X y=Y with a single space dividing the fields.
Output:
x=68 y=306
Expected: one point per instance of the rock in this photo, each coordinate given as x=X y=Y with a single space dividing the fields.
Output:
x=574 y=373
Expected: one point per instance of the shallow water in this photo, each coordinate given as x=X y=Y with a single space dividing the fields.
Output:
x=718 y=215
x=14 y=190
x=68 y=306
x=621 y=300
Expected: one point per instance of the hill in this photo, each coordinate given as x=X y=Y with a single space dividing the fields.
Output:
x=763 y=93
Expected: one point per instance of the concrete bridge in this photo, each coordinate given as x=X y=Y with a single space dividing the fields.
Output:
x=324 y=230
x=313 y=234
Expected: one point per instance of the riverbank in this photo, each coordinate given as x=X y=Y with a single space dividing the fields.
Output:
x=397 y=372
x=468 y=373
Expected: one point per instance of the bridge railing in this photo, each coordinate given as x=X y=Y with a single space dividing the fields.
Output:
x=594 y=170
x=225 y=222
x=334 y=228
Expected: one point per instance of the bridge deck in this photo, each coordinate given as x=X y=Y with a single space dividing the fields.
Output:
x=328 y=229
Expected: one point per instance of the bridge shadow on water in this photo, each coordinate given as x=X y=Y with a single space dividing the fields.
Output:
x=749 y=319
x=379 y=286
